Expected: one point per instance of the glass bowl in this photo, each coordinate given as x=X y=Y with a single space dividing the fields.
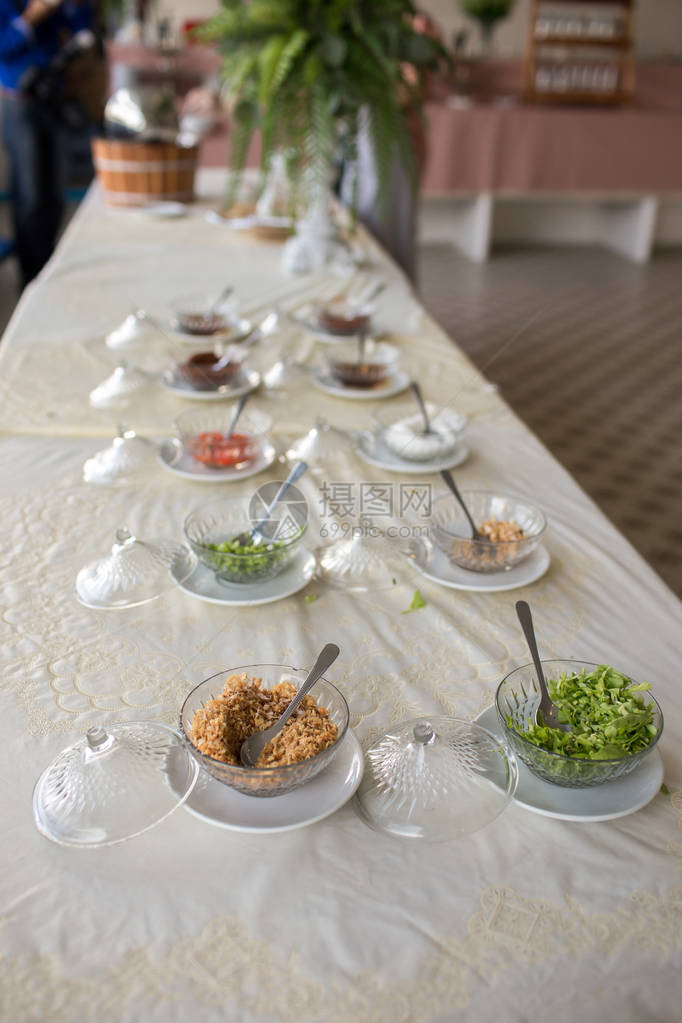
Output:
x=220 y=521
x=451 y=531
x=401 y=430
x=518 y=697
x=345 y=317
x=378 y=362
x=198 y=315
x=265 y=781
x=203 y=435
x=206 y=371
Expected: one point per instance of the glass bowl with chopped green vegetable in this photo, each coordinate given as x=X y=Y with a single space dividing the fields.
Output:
x=219 y=533
x=614 y=722
x=511 y=526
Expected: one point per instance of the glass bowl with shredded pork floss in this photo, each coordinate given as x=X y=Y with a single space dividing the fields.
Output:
x=225 y=709
x=511 y=526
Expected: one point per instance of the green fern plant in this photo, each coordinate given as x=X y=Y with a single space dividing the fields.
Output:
x=301 y=71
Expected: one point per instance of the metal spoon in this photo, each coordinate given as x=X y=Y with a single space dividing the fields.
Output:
x=417 y=392
x=362 y=340
x=546 y=708
x=235 y=351
x=225 y=293
x=364 y=298
x=240 y=408
x=447 y=477
x=252 y=747
x=255 y=536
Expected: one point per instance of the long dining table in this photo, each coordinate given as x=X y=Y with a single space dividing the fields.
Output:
x=534 y=917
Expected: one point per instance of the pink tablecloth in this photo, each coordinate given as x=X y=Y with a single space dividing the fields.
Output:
x=504 y=146
x=526 y=149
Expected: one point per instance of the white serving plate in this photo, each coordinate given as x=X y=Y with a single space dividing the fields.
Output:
x=441 y=570
x=606 y=802
x=203 y=584
x=394 y=384
x=327 y=792
x=175 y=460
x=248 y=222
x=174 y=382
x=372 y=449
x=165 y=210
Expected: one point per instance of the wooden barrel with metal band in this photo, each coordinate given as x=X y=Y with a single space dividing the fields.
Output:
x=134 y=173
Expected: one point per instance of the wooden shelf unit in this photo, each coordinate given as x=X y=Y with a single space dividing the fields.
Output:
x=577 y=57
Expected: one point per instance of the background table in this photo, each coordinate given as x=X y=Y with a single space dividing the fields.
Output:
x=492 y=150
x=531 y=918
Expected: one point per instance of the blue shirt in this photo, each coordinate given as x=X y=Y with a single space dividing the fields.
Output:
x=23 y=46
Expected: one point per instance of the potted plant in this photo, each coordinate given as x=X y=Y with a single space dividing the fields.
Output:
x=308 y=74
x=487 y=13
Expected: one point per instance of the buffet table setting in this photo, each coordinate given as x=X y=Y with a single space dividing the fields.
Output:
x=477 y=888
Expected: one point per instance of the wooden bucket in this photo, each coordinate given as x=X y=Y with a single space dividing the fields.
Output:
x=137 y=173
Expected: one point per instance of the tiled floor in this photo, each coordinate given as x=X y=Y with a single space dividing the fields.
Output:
x=587 y=348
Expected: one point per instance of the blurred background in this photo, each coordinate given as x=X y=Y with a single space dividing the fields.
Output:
x=548 y=237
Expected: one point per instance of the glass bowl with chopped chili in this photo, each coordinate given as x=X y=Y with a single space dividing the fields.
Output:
x=204 y=435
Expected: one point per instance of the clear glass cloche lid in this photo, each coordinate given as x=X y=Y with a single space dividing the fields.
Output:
x=120 y=387
x=436 y=779
x=136 y=328
x=134 y=572
x=113 y=784
x=127 y=458
x=323 y=447
x=365 y=557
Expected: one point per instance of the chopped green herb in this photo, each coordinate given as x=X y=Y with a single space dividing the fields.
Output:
x=608 y=721
x=417 y=602
x=310 y=597
x=239 y=562
x=665 y=790
x=394 y=582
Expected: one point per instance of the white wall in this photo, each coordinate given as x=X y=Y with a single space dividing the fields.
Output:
x=659 y=23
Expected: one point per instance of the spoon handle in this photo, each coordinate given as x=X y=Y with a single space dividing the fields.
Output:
x=325 y=659
x=252 y=747
x=362 y=339
x=417 y=392
x=224 y=294
x=446 y=475
x=240 y=408
x=369 y=294
x=294 y=475
x=526 y=619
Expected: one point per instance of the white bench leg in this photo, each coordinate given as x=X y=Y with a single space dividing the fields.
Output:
x=628 y=227
x=472 y=220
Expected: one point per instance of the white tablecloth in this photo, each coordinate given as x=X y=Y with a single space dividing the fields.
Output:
x=530 y=919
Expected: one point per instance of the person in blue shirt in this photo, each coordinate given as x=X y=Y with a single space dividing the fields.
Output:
x=31 y=36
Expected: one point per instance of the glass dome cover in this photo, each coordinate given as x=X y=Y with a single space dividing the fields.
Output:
x=120 y=387
x=436 y=779
x=135 y=328
x=112 y=785
x=323 y=447
x=127 y=458
x=365 y=557
x=135 y=572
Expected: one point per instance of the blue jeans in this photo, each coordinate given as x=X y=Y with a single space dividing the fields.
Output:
x=37 y=154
